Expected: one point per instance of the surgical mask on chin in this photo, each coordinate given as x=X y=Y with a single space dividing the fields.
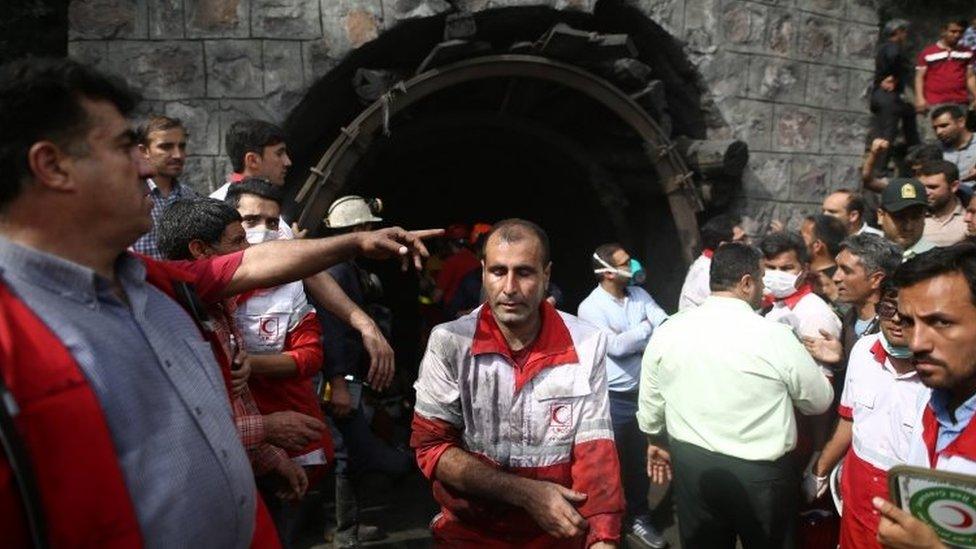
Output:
x=892 y=350
x=634 y=276
x=780 y=284
x=257 y=235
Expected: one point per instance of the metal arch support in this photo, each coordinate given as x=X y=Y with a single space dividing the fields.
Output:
x=329 y=174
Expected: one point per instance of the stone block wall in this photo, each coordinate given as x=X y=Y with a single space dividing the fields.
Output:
x=789 y=77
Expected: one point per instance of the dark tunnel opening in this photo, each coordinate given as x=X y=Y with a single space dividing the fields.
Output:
x=504 y=147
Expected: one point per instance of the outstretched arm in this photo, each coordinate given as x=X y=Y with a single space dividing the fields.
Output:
x=281 y=261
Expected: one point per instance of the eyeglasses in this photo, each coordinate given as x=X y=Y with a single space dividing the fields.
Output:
x=887 y=310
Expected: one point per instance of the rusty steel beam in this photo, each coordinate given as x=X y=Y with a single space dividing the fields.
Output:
x=329 y=174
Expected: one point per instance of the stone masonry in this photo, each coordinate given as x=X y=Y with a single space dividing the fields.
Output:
x=790 y=77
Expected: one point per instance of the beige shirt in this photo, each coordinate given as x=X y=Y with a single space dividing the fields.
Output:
x=723 y=378
x=948 y=230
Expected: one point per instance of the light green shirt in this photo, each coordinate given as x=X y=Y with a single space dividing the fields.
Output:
x=919 y=247
x=721 y=377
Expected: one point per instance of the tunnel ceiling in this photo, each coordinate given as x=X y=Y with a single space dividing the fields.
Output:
x=560 y=117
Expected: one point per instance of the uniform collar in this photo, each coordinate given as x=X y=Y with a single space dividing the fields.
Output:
x=794 y=298
x=552 y=347
x=879 y=353
x=937 y=414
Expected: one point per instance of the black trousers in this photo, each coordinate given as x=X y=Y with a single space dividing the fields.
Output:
x=719 y=498
x=631 y=446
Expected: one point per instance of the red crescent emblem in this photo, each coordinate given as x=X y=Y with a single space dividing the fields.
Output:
x=560 y=414
x=265 y=326
x=967 y=518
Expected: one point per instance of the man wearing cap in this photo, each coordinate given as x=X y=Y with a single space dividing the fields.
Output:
x=628 y=315
x=357 y=449
x=901 y=215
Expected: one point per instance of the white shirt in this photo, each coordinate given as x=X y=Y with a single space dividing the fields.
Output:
x=807 y=317
x=696 y=289
x=628 y=324
x=881 y=403
x=867 y=229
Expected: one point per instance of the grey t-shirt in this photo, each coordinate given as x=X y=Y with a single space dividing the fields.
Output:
x=964 y=158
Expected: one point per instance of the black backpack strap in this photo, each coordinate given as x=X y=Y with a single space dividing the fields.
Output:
x=23 y=472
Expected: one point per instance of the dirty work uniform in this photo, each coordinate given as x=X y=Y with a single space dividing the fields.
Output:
x=881 y=403
x=542 y=413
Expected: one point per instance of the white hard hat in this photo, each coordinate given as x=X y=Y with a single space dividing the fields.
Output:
x=349 y=211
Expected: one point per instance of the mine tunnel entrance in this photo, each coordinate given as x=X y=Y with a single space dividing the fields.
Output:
x=514 y=113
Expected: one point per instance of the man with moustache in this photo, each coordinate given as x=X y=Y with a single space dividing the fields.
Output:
x=512 y=422
x=877 y=410
x=937 y=305
x=162 y=142
x=944 y=223
x=112 y=394
x=904 y=203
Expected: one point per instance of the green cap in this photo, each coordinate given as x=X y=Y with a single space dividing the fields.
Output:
x=902 y=193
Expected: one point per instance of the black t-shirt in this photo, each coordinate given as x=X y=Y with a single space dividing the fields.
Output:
x=892 y=60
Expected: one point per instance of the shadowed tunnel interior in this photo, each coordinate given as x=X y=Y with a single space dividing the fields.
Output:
x=509 y=147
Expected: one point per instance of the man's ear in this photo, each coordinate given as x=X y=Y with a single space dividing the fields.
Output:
x=854 y=218
x=199 y=249
x=875 y=279
x=143 y=150
x=252 y=161
x=50 y=166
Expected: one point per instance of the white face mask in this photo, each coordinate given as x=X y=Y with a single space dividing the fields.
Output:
x=257 y=235
x=780 y=283
x=893 y=351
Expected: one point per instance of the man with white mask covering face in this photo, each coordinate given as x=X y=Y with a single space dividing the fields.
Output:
x=794 y=303
x=283 y=337
x=628 y=315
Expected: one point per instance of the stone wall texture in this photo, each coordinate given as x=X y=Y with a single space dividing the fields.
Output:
x=790 y=77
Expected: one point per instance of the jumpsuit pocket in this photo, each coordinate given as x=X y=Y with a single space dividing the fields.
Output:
x=558 y=401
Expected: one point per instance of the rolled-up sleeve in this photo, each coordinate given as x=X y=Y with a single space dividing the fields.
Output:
x=304 y=345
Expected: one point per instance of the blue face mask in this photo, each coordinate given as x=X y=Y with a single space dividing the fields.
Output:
x=637 y=274
x=893 y=351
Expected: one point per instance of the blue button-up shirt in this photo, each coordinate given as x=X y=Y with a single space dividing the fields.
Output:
x=161 y=390
x=949 y=429
x=629 y=324
x=146 y=245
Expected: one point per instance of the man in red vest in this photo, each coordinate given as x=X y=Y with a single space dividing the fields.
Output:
x=115 y=419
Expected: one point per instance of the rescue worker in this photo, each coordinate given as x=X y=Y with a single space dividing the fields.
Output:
x=357 y=448
x=628 y=315
x=512 y=422
x=122 y=432
x=257 y=148
x=937 y=307
x=716 y=231
x=728 y=404
x=877 y=412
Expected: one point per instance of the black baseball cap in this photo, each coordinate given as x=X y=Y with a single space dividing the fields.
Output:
x=901 y=193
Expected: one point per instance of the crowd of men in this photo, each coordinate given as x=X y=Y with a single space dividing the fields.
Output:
x=180 y=370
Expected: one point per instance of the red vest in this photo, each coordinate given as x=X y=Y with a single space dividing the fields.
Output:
x=62 y=426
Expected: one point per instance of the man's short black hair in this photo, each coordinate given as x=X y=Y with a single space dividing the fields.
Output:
x=258 y=186
x=958 y=258
x=782 y=242
x=730 y=263
x=512 y=230
x=718 y=229
x=954 y=111
x=250 y=135
x=192 y=219
x=40 y=99
x=855 y=201
x=829 y=230
x=935 y=167
x=922 y=153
